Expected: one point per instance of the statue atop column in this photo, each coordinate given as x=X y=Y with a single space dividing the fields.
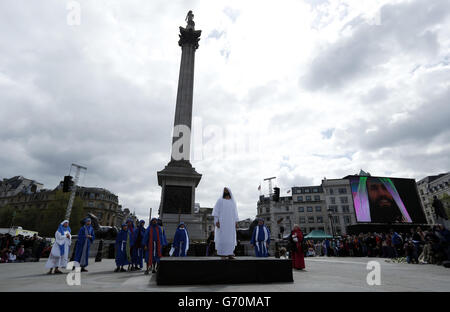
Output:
x=190 y=20
x=189 y=35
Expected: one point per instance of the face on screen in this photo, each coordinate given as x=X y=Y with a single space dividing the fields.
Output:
x=379 y=196
x=386 y=200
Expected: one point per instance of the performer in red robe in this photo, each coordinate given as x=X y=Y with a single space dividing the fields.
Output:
x=298 y=259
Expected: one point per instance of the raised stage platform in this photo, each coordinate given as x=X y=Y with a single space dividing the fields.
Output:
x=213 y=270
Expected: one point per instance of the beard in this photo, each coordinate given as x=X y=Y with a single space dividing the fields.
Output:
x=384 y=209
x=384 y=202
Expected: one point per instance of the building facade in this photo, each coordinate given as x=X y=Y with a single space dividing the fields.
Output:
x=16 y=185
x=309 y=208
x=327 y=207
x=245 y=224
x=339 y=205
x=21 y=193
x=277 y=215
x=25 y=200
x=428 y=187
x=103 y=204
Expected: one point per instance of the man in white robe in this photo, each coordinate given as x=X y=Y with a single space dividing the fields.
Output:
x=60 y=250
x=225 y=218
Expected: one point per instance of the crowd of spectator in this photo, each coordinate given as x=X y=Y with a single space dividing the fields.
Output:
x=417 y=246
x=22 y=248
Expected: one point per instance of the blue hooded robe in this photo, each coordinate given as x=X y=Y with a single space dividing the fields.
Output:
x=62 y=230
x=131 y=230
x=260 y=239
x=153 y=242
x=180 y=244
x=138 y=245
x=123 y=245
x=83 y=244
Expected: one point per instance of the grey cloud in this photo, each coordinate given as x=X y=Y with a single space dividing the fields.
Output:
x=328 y=157
x=423 y=124
x=233 y=14
x=418 y=127
x=328 y=133
x=315 y=3
x=225 y=53
x=294 y=180
x=405 y=27
x=376 y=94
x=58 y=106
x=215 y=34
x=347 y=59
x=64 y=99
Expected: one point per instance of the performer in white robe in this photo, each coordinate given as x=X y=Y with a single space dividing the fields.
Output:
x=60 y=249
x=225 y=218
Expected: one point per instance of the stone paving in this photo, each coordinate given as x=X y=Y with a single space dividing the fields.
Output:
x=322 y=274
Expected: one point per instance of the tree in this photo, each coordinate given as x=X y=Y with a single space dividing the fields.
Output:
x=56 y=212
x=6 y=216
x=45 y=220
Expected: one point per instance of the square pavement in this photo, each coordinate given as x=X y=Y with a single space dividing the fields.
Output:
x=321 y=274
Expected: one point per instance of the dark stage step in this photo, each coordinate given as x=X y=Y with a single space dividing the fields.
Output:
x=213 y=270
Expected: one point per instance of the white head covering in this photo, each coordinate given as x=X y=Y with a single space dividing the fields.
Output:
x=62 y=229
x=231 y=194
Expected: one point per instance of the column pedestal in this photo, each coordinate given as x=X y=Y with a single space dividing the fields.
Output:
x=178 y=199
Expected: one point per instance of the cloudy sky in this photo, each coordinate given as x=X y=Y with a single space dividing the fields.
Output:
x=299 y=90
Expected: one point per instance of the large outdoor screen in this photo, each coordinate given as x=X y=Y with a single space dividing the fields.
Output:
x=386 y=200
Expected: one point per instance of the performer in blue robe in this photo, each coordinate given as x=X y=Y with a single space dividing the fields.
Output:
x=153 y=245
x=123 y=245
x=85 y=238
x=131 y=230
x=138 y=248
x=180 y=245
x=261 y=239
x=59 y=254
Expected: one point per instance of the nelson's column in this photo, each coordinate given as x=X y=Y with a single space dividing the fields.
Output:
x=179 y=179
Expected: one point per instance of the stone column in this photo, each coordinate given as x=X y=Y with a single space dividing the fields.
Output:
x=179 y=179
x=181 y=140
